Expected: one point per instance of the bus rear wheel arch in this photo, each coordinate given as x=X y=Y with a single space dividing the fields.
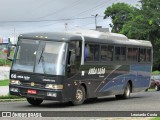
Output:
x=34 y=101
x=79 y=96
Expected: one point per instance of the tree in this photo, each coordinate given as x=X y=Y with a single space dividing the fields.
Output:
x=139 y=23
x=146 y=25
x=120 y=13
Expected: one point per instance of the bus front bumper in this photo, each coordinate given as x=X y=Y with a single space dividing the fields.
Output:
x=38 y=93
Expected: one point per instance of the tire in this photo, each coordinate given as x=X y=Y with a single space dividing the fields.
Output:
x=79 y=96
x=146 y=89
x=34 y=102
x=126 y=93
x=156 y=88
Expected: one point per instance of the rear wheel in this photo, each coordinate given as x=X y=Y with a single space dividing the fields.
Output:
x=79 y=96
x=126 y=94
x=35 y=102
x=156 y=88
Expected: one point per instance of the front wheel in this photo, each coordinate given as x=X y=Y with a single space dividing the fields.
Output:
x=79 y=96
x=35 y=102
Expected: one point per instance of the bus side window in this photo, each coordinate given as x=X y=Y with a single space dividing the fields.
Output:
x=132 y=54
x=91 y=52
x=142 y=54
x=74 y=58
x=148 y=55
x=120 y=53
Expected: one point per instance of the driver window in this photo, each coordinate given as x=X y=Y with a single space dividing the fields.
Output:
x=74 y=58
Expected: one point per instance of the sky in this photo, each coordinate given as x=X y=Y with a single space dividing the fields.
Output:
x=22 y=16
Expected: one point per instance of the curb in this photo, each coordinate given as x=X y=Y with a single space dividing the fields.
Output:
x=11 y=100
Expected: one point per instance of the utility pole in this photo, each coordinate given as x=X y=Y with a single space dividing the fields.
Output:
x=95 y=16
x=66 y=26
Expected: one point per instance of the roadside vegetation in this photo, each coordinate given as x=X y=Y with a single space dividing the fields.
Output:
x=4 y=82
x=156 y=118
x=3 y=60
x=141 y=22
x=9 y=97
x=156 y=72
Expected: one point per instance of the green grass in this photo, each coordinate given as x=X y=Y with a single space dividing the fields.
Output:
x=10 y=97
x=4 y=62
x=156 y=72
x=4 y=82
x=156 y=118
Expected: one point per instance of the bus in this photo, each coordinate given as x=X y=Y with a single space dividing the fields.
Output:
x=80 y=65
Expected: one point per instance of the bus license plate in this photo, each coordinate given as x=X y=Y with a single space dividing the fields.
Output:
x=31 y=91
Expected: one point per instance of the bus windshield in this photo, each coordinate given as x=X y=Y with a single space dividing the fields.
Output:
x=46 y=57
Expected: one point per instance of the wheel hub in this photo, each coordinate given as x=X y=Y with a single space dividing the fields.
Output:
x=79 y=95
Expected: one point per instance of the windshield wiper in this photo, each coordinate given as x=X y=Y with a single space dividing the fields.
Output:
x=43 y=61
x=41 y=56
x=43 y=64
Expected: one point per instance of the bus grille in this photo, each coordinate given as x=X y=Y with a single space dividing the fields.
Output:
x=38 y=85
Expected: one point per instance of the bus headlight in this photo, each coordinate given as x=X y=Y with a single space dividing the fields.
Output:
x=15 y=82
x=54 y=86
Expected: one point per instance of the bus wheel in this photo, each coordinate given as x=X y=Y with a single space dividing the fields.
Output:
x=127 y=91
x=126 y=94
x=35 y=102
x=79 y=96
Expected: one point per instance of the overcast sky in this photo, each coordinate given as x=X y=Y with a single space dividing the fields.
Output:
x=20 y=16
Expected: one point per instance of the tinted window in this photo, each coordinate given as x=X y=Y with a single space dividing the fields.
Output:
x=142 y=54
x=106 y=53
x=120 y=53
x=132 y=54
x=148 y=55
x=91 y=52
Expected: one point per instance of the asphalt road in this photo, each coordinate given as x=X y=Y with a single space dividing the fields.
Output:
x=142 y=101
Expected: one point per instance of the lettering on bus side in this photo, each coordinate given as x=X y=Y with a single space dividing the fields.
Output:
x=99 y=71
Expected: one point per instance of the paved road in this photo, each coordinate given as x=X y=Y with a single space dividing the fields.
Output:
x=139 y=103
x=143 y=101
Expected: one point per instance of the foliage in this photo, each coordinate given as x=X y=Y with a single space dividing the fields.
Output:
x=156 y=72
x=120 y=14
x=4 y=62
x=139 y=23
x=4 y=82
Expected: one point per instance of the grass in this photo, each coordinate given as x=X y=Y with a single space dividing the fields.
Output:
x=156 y=72
x=10 y=97
x=156 y=118
x=4 y=62
x=4 y=82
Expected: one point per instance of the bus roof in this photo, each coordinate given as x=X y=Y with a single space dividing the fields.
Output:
x=89 y=36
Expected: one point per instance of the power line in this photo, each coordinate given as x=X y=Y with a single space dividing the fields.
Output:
x=48 y=20
x=95 y=7
x=61 y=9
